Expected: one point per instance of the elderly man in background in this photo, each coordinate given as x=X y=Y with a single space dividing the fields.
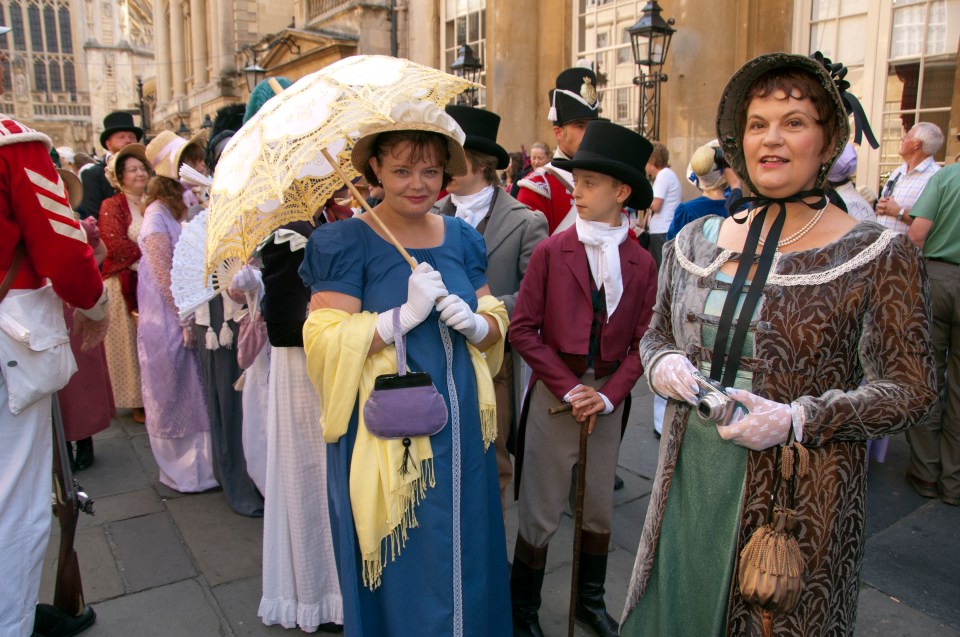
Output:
x=917 y=148
x=935 y=445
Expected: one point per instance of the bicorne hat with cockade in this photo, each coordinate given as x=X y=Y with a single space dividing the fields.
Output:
x=611 y=149
x=480 y=128
x=574 y=97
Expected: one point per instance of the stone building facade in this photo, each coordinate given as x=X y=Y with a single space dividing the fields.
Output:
x=902 y=56
x=199 y=51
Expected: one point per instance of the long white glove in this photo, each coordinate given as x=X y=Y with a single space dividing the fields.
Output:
x=672 y=377
x=457 y=314
x=766 y=425
x=424 y=287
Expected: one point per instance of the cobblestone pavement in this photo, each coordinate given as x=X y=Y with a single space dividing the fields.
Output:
x=158 y=563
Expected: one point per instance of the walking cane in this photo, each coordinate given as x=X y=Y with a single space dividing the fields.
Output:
x=578 y=524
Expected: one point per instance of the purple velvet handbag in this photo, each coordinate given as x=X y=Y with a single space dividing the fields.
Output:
x=406 y=404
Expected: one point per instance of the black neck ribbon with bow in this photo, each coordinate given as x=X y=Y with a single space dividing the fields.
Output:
x=726 y=357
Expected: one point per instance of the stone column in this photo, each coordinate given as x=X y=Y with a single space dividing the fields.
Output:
x=423 y=33
x=512 y=62
x=198 y=38
x=225 y=44
x=163 y=58
x=177 y=48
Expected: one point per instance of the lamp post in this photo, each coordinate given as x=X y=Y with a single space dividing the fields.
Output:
x=253 y=72
x=144 y=119
x=650 y=39
x=467 y=66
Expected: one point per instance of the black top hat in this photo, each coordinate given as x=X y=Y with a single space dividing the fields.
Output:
x=116 y=122
x=480 y=128
x=611 y=149
x=575 y=96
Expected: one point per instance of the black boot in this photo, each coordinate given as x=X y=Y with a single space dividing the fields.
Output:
x=526 y=580
x=50 y=621
x=84 y=458
x=591 y=609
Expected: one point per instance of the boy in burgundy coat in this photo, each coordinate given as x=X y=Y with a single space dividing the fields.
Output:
x=584 y=303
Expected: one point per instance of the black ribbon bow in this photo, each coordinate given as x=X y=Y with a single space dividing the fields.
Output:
x=852 y=106
x=726 y=356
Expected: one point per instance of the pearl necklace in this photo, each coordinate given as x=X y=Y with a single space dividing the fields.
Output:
x=799 y=234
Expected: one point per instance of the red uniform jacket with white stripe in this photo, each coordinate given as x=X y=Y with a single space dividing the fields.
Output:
x=34 y=207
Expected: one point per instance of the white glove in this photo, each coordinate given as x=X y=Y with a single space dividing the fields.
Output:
x=672 y=377
x=247 y=279
x=767 y=424
x=424 y=287
x=457 y=314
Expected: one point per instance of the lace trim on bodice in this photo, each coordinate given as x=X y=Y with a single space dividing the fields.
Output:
x=866 y=255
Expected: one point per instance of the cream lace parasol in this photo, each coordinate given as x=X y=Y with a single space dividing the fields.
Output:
x=273 y=172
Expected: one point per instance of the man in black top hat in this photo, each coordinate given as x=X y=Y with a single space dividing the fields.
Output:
x=118 y=131
x=511 y=231
x=573 y=104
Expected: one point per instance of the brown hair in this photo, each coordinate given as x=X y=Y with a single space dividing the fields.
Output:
x=122 y=168
x=169 y=192
x=423 y=145
x=797 y=84
x=482 y=162
x=192 y=153
x=660 y=157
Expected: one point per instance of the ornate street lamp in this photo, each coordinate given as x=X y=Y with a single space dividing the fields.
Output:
x=467 y=66
x=650 y=39
x=253 y=72
x=183 y=131
x=207 y=122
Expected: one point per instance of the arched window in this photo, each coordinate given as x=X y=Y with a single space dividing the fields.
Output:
x=50 y=28
x=16 y=23
x=66 y=37
x=36 y=32
x=56 y=81
x=70 y=78
x=40 y=75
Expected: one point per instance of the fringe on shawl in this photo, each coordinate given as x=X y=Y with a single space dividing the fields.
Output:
x=393 y=544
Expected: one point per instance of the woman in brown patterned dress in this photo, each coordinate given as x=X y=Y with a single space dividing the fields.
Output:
x=839 y=301
x=120 y=218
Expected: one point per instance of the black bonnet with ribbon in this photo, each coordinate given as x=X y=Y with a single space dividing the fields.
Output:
x=830 y=75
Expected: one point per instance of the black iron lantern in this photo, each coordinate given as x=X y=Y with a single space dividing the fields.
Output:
x=254 y=73
x=207 y=122
x=467 y=66
x=183 y=131
x=650 y=40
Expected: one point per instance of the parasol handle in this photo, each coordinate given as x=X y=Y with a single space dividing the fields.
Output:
x=366 y=206
x=275 y=85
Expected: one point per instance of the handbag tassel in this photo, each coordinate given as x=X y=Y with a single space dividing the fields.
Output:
x=404 y=467
x=210 y=339
x=226 y=336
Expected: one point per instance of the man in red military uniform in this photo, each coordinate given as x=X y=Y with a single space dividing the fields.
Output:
x=573 y=105
x=44 y=257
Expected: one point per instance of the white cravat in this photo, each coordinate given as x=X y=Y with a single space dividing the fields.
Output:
x=473 y=208
x=601 y=242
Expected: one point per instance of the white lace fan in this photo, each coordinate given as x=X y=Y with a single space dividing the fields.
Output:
x=190 y=288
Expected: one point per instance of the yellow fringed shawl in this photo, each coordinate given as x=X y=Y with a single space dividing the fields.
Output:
x=383 y=500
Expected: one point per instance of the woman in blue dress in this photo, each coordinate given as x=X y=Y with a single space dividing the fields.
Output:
x=418 y=530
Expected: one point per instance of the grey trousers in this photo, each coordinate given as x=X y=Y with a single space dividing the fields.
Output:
x=551 y=448
x=935 y=444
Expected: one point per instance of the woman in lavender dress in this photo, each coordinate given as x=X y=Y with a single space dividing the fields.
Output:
x=170 y=371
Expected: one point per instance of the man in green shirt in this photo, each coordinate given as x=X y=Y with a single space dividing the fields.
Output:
x=935 y=445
